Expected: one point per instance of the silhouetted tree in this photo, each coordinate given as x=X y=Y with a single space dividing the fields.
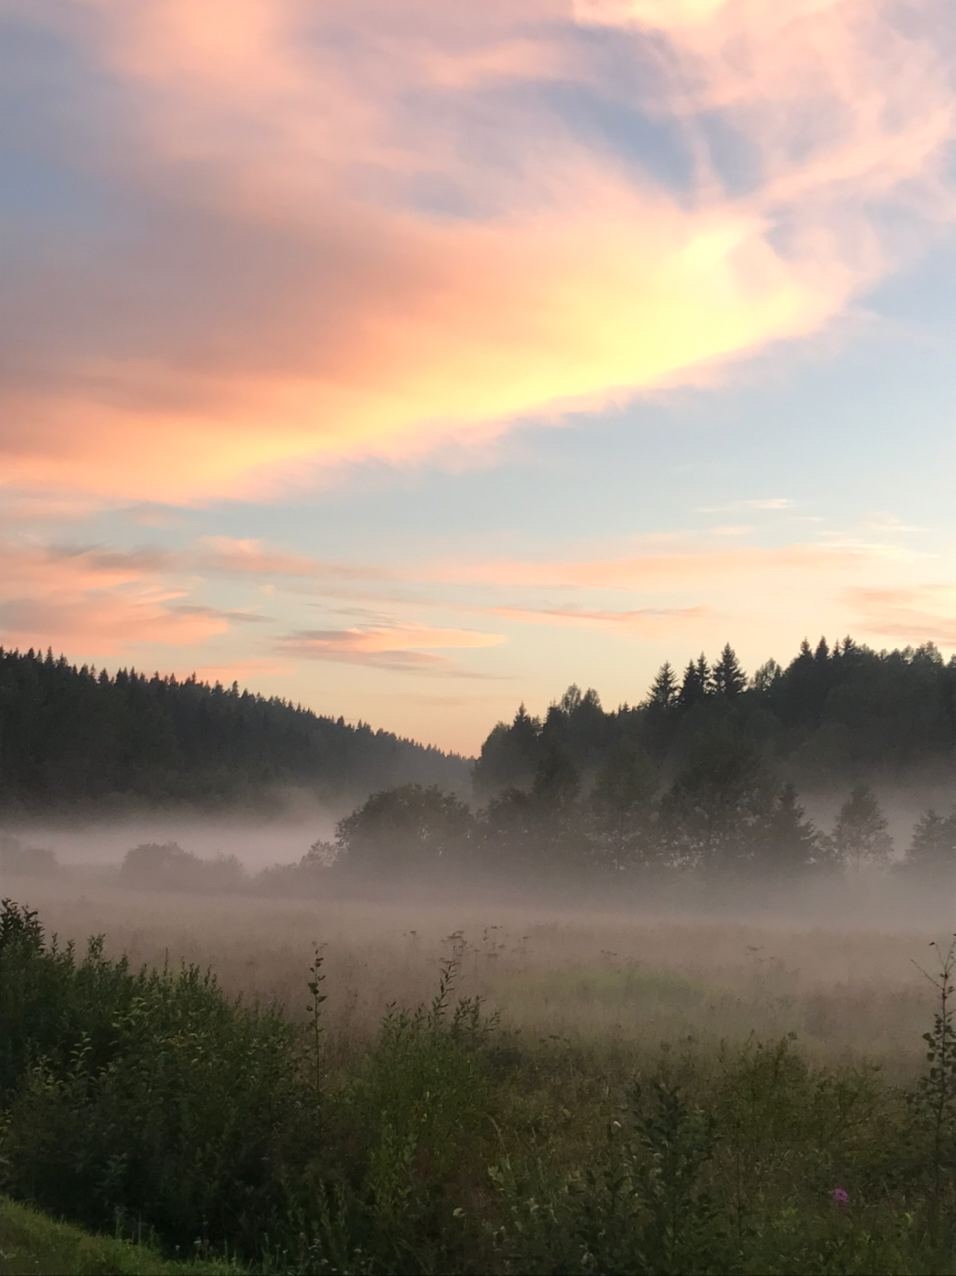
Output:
x=510 y=755
x=728 y=678
x=767 y=677
x=861 y=834
x=695 y=683
x=932 y=852
x=788 y=843
x=407 y=832
x=663 y=692
x=623 y=809
x=715 y=807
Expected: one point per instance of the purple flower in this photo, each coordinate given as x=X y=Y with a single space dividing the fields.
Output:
x=840 y=1196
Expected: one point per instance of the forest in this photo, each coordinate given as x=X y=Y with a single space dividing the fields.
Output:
x=709 y=776
x=831 y=718
x=77 y=738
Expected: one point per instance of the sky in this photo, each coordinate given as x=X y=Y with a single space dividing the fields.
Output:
x=411 y=360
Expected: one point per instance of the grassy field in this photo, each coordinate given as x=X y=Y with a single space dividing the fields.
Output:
x=845 y=985
x=481 y=1088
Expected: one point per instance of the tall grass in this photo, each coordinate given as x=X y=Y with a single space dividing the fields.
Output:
x=151 y=1100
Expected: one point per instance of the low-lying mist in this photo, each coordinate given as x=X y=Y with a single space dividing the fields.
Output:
x=836 y=969
x=257 y=841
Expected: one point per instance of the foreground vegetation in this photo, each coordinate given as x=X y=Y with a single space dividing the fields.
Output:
x=149 y=1102
x=31 y=1244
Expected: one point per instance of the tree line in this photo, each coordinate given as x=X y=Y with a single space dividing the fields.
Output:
x=419 y=836
x=832 y=717
x=71 y=736
x=716 y=825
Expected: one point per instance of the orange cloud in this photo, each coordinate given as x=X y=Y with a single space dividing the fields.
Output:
x=562 y=309
x=295 y=295
x=102 y=624
x=95 y=602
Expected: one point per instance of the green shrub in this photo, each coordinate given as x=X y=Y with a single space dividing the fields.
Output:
x=150 y=1094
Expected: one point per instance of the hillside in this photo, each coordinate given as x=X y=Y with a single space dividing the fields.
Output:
x=72 y=736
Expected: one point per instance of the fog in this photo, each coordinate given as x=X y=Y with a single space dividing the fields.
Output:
x=830 y=961
x=257 y=841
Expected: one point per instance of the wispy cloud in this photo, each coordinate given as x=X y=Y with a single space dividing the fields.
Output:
x=103 y=623
x=913 y=614
x=640 y=620
x=309 y=249
x=758 y=504
x=231 y=616
x=96 y=600
x=672 y=569
x=227 y=555
x=405 y=648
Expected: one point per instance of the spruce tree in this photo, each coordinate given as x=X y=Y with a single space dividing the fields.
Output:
x=789 y=842
x=663 y=692
x=728 y=677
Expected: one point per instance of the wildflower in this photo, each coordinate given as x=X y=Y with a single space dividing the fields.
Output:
x=840 y=1196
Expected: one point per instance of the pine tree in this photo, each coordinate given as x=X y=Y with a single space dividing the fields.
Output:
x=704 y=675
x=789 y=842
x=663 y=692
x=728 y=677
x=695 y=684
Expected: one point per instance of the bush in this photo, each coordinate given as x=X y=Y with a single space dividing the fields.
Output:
x=146 y=1093
x=26 y=861
x=166 y=866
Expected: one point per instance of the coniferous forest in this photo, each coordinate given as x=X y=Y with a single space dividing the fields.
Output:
x=77 y=737
x=710 y=774
x=832 y=717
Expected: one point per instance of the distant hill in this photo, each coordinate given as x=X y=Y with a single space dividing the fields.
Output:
x=73 y=737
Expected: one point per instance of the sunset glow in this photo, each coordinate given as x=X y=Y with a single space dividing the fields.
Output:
x=411 y=360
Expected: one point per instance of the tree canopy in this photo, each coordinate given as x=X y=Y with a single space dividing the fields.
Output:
x=70 y=736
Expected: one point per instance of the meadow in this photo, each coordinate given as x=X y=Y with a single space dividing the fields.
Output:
x=482 y=1085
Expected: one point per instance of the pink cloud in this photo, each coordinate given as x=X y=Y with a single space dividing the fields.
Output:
x=398 y=647
x=288 y=301
x=910 y=614
x=677 y=568
x=646 y=620
x=100 y=623
x=229 y=555
x=96 y=602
